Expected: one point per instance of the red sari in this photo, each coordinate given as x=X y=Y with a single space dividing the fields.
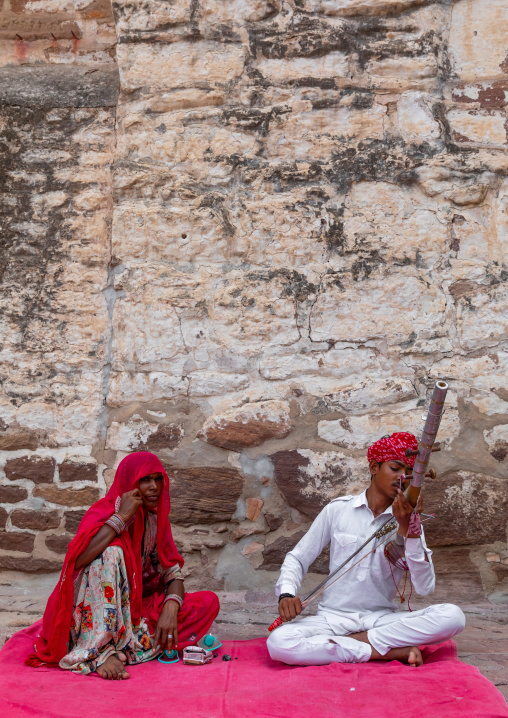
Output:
x=199 y=609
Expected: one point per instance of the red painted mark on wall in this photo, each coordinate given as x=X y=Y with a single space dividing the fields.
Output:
x=75 y=43
x=21 y=48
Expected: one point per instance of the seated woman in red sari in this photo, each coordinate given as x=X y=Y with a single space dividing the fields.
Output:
x=120 y=599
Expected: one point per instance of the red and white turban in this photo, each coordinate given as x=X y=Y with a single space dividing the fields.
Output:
x=393 y=448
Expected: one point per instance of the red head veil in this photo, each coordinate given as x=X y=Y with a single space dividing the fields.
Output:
x=52 y=645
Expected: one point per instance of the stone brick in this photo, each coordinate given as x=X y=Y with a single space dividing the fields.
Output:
x=36 y=520
x=58 y=542
x=484 y=127
x=59 y=86
x=12 y=494
x=17 y=541
x=72 y=520
x=77 y=471
x=275 y=553
x=309 y=480
x=470 y=508
x=167 y=436
x=274 y=522
x=3 y=517
x=68 y=497
x=204 y=494
x=38 y=469
x=30 y=564
x=478 y=33
x=254 y=507
x=14 y=440
x=250 y=425
x=457 y=576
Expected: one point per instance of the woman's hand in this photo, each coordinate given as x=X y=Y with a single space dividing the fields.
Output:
x=290 y=608
x=402 y=511
x=166 y=631
x=129 y=504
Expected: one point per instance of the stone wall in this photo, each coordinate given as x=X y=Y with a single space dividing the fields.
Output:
x=253 y=262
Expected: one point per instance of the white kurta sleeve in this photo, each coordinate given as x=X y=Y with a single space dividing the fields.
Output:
x=422 y=571
x=297 y=562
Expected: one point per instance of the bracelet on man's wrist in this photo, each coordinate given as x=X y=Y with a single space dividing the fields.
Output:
x=286 y=595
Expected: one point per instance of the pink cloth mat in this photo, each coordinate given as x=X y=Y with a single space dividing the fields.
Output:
x=253 y=686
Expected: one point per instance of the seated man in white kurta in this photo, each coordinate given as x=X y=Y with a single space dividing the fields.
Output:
x=357 y=619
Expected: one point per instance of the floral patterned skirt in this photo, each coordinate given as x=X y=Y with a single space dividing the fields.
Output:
x=101 y=623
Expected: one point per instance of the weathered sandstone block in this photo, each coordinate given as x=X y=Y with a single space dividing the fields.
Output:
x=359 y=432
x=72 y=520
x=166 y=436
x=470 y=509
x=204 y=494
x=497 y=439
x=17 y=541
x=12 y=494
x=250 y=425
x=254 y=507
x=480 y=127
x=14 y=440
x=58 y=543
x=456 y=575
x=67 y=497
x=478 y=34
x=308 y=480
x=77 y=471
x=36 y=520
x=145 y=67
x=38 y=469
x=275 y=553
x=30 y=564
x=348 y=311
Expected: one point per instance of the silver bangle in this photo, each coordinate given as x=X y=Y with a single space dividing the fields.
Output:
x=174 y=597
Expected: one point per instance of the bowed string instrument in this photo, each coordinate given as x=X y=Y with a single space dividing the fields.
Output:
x=426 y=446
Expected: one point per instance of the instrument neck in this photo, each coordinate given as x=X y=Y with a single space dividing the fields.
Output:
x=413 y=494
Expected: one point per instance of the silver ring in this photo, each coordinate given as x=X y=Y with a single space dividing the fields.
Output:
x=170 y=635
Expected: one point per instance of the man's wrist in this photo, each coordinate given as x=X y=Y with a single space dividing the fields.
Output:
x=286 y=595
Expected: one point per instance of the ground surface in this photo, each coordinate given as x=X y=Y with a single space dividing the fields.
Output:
x=246 y=614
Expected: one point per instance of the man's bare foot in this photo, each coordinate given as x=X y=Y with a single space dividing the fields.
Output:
x=113 y=668
x=411 y=655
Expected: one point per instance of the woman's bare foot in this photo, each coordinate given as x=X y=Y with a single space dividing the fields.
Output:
x=409 y=654
x=113 y=668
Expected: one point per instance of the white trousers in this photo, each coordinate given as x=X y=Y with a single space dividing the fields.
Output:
x=311 y=641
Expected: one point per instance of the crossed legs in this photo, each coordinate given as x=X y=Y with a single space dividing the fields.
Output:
x=394 y=636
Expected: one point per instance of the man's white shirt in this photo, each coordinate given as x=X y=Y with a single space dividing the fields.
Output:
x=369 y=587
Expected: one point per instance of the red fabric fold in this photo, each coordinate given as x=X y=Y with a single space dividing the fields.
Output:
x=52 y=643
